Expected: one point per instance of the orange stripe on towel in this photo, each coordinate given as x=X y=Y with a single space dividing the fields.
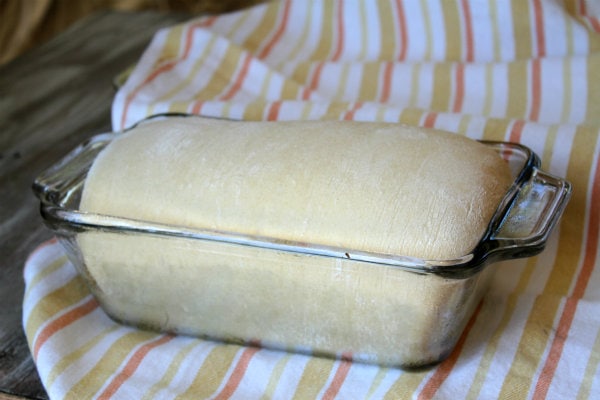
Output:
x=468 y=30
x=516 y=131
x=314 y=82
x=340 y=32
x=132 y=366
x=568 y=314
x=594 y=22
x=240 y=79
x=267 y=49
x=237 y=374
x=166 y=67
x=349 y=115
x=340 y=376
x=61 y=322
x=539 y=28
x=273 y=112
x=460 y=88
x=430 y=120
x=197 y=106
x=386 y=87
x=403 y=32
x=536 y=89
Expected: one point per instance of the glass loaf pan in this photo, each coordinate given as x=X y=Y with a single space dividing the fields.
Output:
x=386 y=309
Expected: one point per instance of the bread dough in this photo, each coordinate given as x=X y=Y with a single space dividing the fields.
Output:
x=317 y=305
x=375 y=187
x=372 y=187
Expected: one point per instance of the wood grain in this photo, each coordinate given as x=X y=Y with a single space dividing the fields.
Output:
x=51 y=99
x=26 y=23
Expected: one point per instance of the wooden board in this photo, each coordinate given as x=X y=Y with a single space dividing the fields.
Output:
x=51 y=99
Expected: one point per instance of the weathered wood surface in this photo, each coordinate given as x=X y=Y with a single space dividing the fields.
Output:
x=51 y=99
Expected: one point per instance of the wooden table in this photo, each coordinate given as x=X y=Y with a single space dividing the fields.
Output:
x=51 y=99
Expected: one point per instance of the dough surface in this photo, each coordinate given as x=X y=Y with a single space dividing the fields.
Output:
x=365 y=187
x=376 y=187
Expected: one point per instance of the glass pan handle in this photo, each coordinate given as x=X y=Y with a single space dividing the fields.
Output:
x=535 y=210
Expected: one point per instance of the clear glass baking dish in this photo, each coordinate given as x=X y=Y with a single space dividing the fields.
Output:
x=390 y=310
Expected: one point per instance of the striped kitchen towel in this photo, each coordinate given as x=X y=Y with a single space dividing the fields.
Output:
x=525 y=71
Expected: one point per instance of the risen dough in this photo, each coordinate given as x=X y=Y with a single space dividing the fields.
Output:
x=376 y=187
x=367 y=187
